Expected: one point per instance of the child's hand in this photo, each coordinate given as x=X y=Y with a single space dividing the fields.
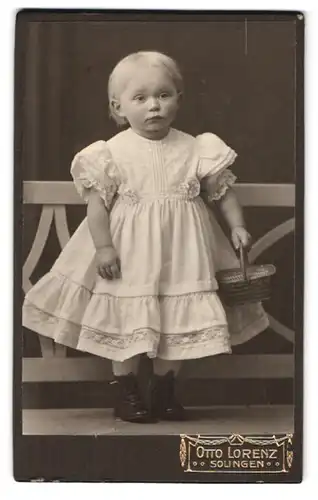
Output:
x=108 y=265
x=240 y=237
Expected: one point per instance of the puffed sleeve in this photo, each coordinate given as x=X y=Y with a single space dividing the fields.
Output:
x=94 y=168
x=215 y=158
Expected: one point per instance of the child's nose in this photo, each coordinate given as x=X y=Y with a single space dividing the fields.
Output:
x=153 y=104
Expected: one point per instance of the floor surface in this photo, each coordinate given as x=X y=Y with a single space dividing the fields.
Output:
x=207 y=420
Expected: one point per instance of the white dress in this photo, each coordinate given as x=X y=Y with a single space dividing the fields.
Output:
x=170 y=246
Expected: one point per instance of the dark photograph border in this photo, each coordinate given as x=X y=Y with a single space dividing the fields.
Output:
x=138 y=458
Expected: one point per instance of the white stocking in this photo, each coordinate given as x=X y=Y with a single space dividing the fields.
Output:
x=125 y=367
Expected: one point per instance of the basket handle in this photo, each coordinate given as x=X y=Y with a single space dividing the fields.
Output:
x=243 y=261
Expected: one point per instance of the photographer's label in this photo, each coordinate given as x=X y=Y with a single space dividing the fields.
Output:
x=236 y=453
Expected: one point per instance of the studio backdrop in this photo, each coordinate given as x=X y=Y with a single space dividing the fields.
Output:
x=239 y=84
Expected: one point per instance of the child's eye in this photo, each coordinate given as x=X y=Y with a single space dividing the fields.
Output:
x=164 y=95
x=139 y=98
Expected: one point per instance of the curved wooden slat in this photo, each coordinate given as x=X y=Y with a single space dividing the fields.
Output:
x=270 y=238
x=61 y=225
x=47 y=347
x=60 y=351
x=38 y=246
x=46 y=344
x=259 y=247
x=281 y=329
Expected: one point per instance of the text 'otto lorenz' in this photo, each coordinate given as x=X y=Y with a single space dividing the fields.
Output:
x=235 y=453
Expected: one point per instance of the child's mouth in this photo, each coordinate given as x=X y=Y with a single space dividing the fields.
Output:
x=154 y=118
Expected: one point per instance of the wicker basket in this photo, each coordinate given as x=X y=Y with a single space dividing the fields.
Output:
x=247 y=284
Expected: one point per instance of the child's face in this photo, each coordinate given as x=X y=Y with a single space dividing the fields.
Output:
x=149 y=102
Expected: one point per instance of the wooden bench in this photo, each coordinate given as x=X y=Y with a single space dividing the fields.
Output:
x=55 y=366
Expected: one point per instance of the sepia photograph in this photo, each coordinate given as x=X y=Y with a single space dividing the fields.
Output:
x=156 y=158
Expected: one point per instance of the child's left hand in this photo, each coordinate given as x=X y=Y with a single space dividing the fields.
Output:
x=240 y=237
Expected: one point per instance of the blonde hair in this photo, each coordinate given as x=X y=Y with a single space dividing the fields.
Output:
x=118 y=76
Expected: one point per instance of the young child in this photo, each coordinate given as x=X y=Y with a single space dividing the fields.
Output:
x=138 y=275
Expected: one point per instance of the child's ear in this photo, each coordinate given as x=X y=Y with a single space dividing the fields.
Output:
x=115 y=104
x=180 y=97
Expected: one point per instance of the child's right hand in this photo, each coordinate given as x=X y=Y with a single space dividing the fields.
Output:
x=108 y=264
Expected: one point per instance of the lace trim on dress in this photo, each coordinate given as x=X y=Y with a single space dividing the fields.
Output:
x=222 y=184
x=119 y=341
x=187 y=190
x=123 y=341
x=86 y=181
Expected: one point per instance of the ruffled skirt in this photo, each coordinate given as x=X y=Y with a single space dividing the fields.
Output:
x=77 y=308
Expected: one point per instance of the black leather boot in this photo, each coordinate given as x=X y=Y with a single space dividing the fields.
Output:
x=163 y=403
x=129 y=406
